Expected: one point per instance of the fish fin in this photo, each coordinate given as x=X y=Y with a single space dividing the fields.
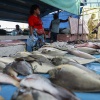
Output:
x=17 y=84
x=39 y=62
x=15 y=77
x=34 y=69
x=65 y=94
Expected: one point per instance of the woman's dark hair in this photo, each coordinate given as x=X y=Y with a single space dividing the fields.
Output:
x=55 y=16
x=33 y=7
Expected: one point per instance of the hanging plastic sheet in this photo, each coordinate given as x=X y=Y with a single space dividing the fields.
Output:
x=72 y=6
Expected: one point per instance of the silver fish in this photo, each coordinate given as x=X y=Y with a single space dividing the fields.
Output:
x=40 y=58
x=22 y=94
x=2 y=65
x=6 y=60
x=80 y=54
x=38 y=82
x=8 y=70
x=22 y=67
x=81 y=60
x=59 y=61
x=52 y=51
x=44 y=68
x=87 y=50
x=75 y=78
x=6 y=79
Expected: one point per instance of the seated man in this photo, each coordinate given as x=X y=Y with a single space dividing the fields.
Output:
x=17 y=31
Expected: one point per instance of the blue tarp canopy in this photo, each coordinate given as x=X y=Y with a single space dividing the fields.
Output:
x=62 y=15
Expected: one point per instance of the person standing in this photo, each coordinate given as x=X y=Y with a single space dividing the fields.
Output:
x=91 y=26
x=54 y=27
x=36 y=26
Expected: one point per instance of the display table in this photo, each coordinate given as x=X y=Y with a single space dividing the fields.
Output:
x=10 y=47
x=8 y=90
x=20 y=37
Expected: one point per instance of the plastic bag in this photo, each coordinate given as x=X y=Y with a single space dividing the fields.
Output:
x=32 y=40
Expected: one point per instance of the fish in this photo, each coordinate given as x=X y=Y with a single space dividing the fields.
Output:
x=22 y=94
x=80 y=60
x=32 y=94
x=22 y=67
x=2 y=65
x=74 y=78
x=59 y=61
x=97 y=76
x=52 y=51
x=27 y=59
x=87 y=50
x=80 y=54
x=41 y=63
x=64 y=47
x=21 y=54
x=18 y=67
x=54 y=44
x=9 y=71
x=44 y=55
x=40 y=95
x=60 y=45
x=1 y=98
x=6 y=60
x=95 y=45
x=44 y=68
x=34 y=57
x=40 y=58
x=42 y=84
x=6 y=79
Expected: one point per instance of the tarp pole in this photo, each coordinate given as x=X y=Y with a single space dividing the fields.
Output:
x=78 y=23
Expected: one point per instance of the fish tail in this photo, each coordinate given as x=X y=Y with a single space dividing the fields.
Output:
x=1 y=98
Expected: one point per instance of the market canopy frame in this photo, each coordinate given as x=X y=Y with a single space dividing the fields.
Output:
x=18 y=10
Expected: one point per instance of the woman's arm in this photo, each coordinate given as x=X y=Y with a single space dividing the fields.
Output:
x=63 y=20
x=66 y=19
x=98 y=25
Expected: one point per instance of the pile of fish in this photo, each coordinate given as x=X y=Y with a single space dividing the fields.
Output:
x=63 y=62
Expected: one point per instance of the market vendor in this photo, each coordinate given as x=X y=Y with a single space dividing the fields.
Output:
x=91 y=26
x=54 y=27
x=36 y=25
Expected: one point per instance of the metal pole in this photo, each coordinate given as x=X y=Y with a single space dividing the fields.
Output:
x=82 y=24
x=78 y=21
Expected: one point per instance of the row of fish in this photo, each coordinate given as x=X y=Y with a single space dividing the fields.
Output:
x=37 y=87
x=63 y=62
